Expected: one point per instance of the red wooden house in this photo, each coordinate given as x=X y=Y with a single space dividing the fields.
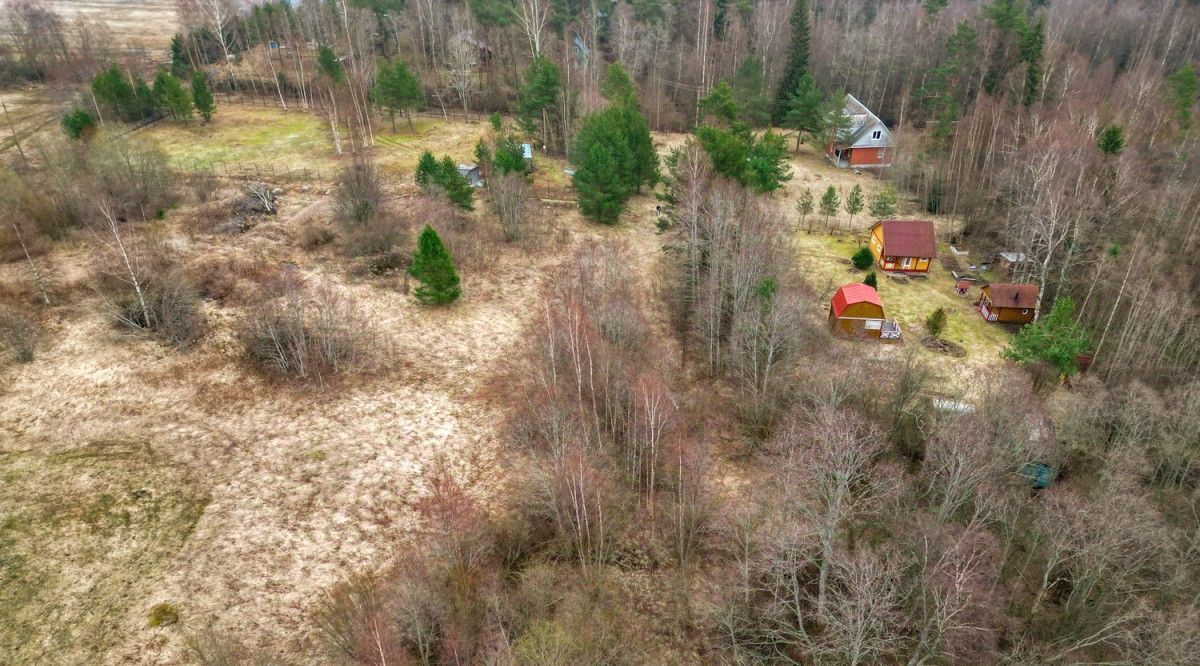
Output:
x=856 y=312
x=865 y=144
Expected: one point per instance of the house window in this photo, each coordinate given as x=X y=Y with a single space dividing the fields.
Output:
x=876 y=134
x=906 y=262
x=873 y=324
x=1024 y=312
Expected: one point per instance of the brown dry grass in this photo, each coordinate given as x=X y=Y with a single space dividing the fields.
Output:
x=270 y=493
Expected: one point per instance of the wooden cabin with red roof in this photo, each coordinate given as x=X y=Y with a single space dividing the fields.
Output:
x=856 y=312
x=903 y=245
x=1008 y=303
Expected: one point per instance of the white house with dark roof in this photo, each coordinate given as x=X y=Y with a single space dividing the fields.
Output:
x=865 y=144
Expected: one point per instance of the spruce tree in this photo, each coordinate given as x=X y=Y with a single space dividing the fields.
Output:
x=509 y=156
x=1033 y=39
x=747 y=85
x=170 y=96
x=537 y=96
x=855 y=201
x=871 y=280
x=78 y=124
x=455 y=185
x=805 y=110
x=434 y=269
x=397 y=90
x=617 y=87
x=202 y=97
x=427 y=170
x=797 y=61
x=1055 y=339
x=1111 y=140
x=641 y=147
x=720 y=102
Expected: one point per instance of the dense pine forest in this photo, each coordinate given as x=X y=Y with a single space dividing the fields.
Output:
x=507 y=337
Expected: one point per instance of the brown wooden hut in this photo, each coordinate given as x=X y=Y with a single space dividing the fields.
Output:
x=1008 y=303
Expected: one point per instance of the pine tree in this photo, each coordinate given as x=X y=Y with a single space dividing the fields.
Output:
x=539 y=93
x=767 y=165
x=169 y=95
x=604 y=165
x=805 y=110
x=747 y=85
x=720 y=102
x=935 y=323
x=1033 y=38
x=202 y=97
x=830 y=202
x=805 y=205
x=483 y=157
x=434 y=269
x=114 y=92
x=883 y=204
x=797 y=62
x=641 y=147
x=397 y=90
x=1111 y=140
x=617 y=87
x=179 y=63
x=509 y=156
x=871 y=280
x=855 y=202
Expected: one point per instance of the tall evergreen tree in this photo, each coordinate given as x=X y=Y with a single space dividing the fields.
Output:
x=720 y=102
x=747 y=85
x=397 y=90
x=603 y=166
x=797 y=61
x=1055 y=339
x=883 y=204
x=641 y=147
x=830 y=202
x=427 y=170
x=805 y=110
x=1033 y=39
x=170 y=96
x=617 y=87
x=202 y=97
x=434 y=269
x=537 y=96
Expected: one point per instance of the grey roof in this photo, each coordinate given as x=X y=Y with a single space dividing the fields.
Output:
x=863 y=125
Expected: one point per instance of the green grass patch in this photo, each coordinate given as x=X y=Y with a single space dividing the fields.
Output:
x=83 y=535
x=826 y=261
x=246 y=135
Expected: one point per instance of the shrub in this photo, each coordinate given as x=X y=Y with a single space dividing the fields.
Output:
x=163 y=615
x=935 y=323
x=315 y=234
x=78 y=124
x=306 y=338
x=434 y=269
x=19 y=333
x=172 y=304
x=863 y=258
x=359 y=192
x=510 y=194
x=380 y=235
x=871 y=280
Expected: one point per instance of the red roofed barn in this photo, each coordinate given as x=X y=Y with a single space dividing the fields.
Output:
x=903 y=245
x=1008 y=303
x=857 y=312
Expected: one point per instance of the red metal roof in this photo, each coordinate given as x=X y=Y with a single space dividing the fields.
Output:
x=908 y=238
x=854 y=293
x=1005 y=295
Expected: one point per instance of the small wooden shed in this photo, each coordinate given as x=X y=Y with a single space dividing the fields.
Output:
x=856 y=312
x=1008 y=303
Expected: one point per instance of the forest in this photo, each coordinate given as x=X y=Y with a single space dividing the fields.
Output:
x=501 y=332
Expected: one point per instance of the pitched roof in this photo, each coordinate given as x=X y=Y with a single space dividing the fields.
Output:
x=908 y=238
x=854 y=293
x=862 y=121
x=1007 y=295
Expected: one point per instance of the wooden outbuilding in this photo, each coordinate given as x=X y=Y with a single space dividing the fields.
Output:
x=907 y=246
x=856 y=312
x=1008 y=303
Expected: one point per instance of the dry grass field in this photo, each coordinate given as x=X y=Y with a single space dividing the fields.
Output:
x=133 y=475
x=133 y=23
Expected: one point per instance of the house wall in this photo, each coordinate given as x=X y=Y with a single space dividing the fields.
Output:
x=916 y=265
x=853 y=322
x=1005 y=315
x=869 y=156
